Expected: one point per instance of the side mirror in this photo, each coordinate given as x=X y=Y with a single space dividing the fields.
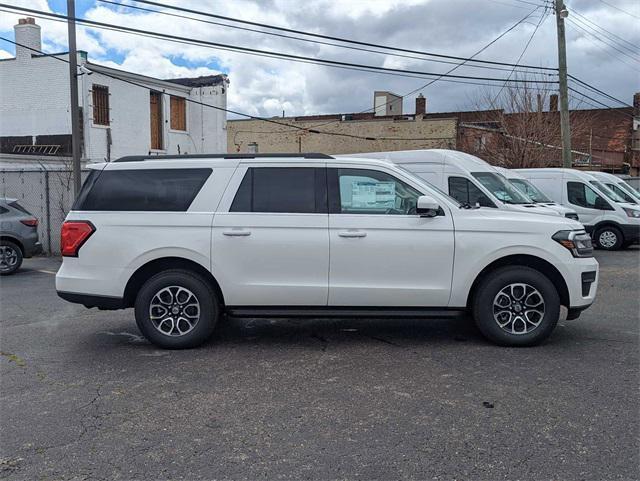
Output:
x=427 y=206
x=601 y=204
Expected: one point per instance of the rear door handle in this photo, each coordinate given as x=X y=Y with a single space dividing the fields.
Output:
x=236 y=233
x=352 y=234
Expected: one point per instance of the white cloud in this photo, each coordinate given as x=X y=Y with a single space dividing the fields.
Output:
x=266 y=86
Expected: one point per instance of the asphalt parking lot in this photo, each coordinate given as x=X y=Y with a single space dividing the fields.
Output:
x=83 y=396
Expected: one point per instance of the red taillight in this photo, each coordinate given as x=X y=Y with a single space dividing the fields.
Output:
x=30 y=222
x=74 y=234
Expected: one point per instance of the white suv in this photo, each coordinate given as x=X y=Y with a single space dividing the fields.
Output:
x=186 y=239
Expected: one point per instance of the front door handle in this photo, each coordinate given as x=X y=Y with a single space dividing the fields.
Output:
x=236 y=233
x=352 y=234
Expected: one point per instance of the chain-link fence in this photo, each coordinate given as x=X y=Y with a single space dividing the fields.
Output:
x=46 y=192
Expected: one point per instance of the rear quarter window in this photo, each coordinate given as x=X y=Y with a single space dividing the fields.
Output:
x=169 y=190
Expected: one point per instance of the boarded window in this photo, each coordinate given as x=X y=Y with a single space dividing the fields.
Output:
x=100 y=105
x=178 y=113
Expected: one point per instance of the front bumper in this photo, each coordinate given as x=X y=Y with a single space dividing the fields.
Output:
x=631 y=233
x=581 y=277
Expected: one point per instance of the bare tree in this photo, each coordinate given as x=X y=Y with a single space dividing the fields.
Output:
x=521 y=128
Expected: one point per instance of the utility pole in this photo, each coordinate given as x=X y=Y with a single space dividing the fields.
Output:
x=75 y=109
x=565 y=126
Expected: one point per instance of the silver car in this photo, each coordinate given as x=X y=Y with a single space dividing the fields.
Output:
x=18 y=236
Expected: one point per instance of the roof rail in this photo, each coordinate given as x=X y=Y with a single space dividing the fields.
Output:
x=139 y=158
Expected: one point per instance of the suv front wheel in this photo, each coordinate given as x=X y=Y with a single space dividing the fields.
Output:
x=176 y=309
x=516 y=306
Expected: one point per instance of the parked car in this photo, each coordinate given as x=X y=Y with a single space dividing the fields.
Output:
x=18 y=236
x=535 y=194
x=466 y=178
x=613 y=223
x=619 y=186
x=185 y=239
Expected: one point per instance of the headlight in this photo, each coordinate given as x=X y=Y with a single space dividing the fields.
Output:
x=632 y=212
x=577 y=241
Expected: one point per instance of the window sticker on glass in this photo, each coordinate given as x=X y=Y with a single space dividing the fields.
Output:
x=367 y=194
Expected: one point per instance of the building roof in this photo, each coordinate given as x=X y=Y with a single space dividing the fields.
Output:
x=204 y=81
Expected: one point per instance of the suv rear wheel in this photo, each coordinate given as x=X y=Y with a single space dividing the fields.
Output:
x=516 y=306
x=176 y=309
x=10 y=257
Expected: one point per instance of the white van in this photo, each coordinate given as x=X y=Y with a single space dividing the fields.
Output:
x=466 y=178
x=612 y=222
x=619 y=186
x=535 y=194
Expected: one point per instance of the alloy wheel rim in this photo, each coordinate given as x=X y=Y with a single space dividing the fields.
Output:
x=8 y=258
x=608 y=239
x=518 y=308
x=174 y=311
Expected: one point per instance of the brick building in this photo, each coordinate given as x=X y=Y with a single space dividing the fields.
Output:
x=380 y=130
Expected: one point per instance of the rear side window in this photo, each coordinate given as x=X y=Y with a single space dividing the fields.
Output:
x=170 y=190
x=465 y=191
x=17 y=206
x=294 y=190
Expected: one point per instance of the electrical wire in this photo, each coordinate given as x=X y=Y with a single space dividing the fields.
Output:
x=620 y=10
x=245 y=50
x=582 y=26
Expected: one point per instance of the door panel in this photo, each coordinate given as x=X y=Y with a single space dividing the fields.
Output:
x=262 y=254
x=386 y=259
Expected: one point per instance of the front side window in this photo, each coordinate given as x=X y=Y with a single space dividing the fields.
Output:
x=100 y=95
x=584 y=196
x=498 y=186
x=365 y=191
x=167 y=190
x=530 y=190
x=628 y=188
x=465 y=191
x=293 y=190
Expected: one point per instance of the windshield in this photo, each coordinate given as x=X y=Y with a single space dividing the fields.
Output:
x=420 y=180
x=607 y=191
x=622 y=193
x=629 y=189
x=530 y=190
x=503 y=190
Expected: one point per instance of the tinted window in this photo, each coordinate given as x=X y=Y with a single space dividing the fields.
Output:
x=622 y=193
x=3 y=210
x=294 y=190
x=465 y=191
x=17 y=206
x=363 y=191
x=530 y=190
x=584 y=196
x=141 y=190
x=501 y=188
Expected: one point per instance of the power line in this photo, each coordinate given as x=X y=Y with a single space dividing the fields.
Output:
x=248 y=50
x=591 y=87
x=524 y=50
x=457 y=66
x=318 y=42
x=581 y=25
x=621 y=40
x=253 y=117
x=620 y=10
x=329 y=37
x=601 y=103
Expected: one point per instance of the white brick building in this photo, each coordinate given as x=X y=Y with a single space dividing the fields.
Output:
x=118 y=118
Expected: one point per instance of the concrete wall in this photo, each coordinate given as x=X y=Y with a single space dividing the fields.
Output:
x=425 y=134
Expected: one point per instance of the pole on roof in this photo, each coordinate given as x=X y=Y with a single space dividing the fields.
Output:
x=75 y=109
x=565 y=126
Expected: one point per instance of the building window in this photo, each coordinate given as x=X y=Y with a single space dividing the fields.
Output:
x=100 y=105
x=178 y=113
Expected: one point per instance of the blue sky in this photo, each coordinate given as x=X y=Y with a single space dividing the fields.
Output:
x=265 y=86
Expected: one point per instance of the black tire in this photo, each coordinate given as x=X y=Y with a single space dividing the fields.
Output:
x=10 y=258
x=609 y=238
x=172 y=285
x=486 y=319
